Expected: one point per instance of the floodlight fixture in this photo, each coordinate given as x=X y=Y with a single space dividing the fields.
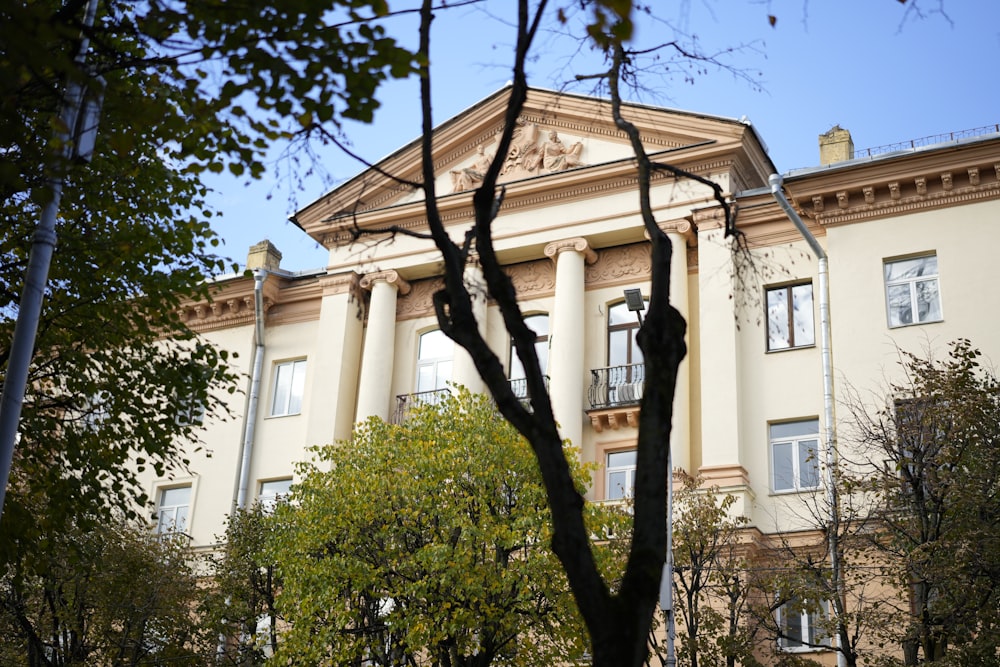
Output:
x=635 y=303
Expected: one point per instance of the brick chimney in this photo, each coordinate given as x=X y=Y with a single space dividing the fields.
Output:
x=263 y=255
x=835 y=146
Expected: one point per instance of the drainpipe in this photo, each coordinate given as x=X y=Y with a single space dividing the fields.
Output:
x=830 y=444
x=259 y=275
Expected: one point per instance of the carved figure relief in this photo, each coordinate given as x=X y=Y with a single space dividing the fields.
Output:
x=471 y=176
x=526 y=157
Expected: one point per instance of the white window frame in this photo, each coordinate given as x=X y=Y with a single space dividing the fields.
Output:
x=541 y=345
x=795 y=441
x=809 y=623
x=784 y=312
x=273 y=492
x=433 y=363
x=627 y=468
x=288 y=388
x=167 y=515
x=914 y=286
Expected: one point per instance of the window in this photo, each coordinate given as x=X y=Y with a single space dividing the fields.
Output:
x=434 y=361
x=790 y=317
x=801 y=625
x=625 y=374
x=911 y=291
x=623 y=325
x=272 y=493
x=173 y=509
x=620 y=476
x=289 y=384
x=540 y=325
x=795 y=455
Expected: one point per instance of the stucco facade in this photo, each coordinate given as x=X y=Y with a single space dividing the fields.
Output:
x=570 y=234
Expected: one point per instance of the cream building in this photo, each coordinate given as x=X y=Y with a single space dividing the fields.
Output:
x=909 y=235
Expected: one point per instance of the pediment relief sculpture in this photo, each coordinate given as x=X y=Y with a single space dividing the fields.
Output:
x=528 y=156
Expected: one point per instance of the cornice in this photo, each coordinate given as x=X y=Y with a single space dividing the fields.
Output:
x=231 y=304
x=526 y=194
x=950 y=176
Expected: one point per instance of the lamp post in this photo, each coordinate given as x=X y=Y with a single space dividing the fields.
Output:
x=635 y=303
x=79 y=114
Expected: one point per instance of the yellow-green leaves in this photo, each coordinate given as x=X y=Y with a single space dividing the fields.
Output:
x=424 y=537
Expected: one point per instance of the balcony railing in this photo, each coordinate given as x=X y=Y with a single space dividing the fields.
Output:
x=520 y=388
x=616 y=386
x=406 y=402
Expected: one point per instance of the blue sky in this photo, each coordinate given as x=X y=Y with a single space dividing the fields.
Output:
x=871 y=66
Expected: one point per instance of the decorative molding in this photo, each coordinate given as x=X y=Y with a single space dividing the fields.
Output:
x=391 y=277
x=724 y=477
x=533 y=279
x=578 y=244
x=614 y=418
x=419 y=300
x=620 y=264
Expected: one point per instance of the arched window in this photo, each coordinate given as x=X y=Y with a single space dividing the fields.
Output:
x=540 y=325
x=623 y=325
x=434 y=356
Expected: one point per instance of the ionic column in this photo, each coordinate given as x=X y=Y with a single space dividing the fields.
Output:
x=566 y=343
x=680 y=232
x=465 y=372
x=375 y=383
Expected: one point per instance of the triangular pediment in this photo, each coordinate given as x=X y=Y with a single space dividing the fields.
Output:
x=557 y=135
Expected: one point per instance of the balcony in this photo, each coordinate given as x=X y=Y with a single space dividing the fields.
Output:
x=615 y=393
x=406 y=402
x=520 y=388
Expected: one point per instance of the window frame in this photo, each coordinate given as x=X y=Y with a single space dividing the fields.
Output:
x=809 y=622
x=515 y=368
x=433 y=363
x=161 y=492
x=629 y=469
x=268 y=502
x=913 y=296
x=795 y=440
x=630 y=329
x=296 y=380
x=789 y=288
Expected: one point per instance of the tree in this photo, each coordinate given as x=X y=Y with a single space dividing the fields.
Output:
x=69 y=607
x=934 y=465
x=425 y=543
x=618 y=620
x=710 y=578
x=118 y=381
x=240 y=603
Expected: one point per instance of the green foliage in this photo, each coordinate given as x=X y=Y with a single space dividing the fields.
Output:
x=940 y=502
x=117 y=376
x=110 y=595
x=244 y=586
x=711 y=588
x=424 y=542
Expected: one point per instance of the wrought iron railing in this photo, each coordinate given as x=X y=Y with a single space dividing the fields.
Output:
x=520 y=388
x=406 y=402
x=616 y=386
x=927 y=141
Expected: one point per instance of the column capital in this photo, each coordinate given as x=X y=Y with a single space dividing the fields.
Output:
x=578 y=244
x=390 y=277
x=683 y=228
